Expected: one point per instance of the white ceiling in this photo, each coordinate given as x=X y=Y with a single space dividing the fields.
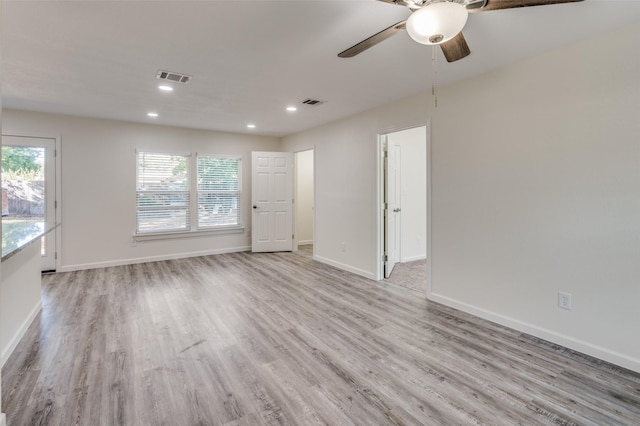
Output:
x=251 y=59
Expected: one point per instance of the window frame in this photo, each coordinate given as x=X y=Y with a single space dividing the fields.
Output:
x=238 y=192
x=164 y=192
x=193 y=219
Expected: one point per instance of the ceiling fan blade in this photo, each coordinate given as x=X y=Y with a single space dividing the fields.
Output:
x=510 y=4
x=373 y=40
x=456 y=48
x=398 y=2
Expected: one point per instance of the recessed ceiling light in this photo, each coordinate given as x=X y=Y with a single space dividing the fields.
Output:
x=251 y=126
x=165 y=88
x=152 y=114
x=291 y=108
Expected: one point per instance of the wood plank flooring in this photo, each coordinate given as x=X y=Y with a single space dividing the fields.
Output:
x=411 y=275
x=277 y=338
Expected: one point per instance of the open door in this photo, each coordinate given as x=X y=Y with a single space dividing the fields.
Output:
x=29 y=190
x=272 y=201
x=392 y=209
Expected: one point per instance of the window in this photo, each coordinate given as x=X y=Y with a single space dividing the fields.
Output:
x=218 y=191
x=162 y=197
x=167 y=193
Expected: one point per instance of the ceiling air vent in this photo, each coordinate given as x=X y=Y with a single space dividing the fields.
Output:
x=312 y=102
x=173 y=76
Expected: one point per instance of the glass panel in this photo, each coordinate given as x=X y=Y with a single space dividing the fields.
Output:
x=218 y=184
x=162 y=220
x=23 y=188
x=217 y=174
x=215 y=209
x=162 y=199
x=167 y=199
x=162 y=172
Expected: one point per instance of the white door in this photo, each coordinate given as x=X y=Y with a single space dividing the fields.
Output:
x=29 y=182
x=272 y=201
x=392 y=207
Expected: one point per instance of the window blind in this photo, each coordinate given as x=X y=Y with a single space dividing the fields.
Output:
x=218 y=187
x=162 y=192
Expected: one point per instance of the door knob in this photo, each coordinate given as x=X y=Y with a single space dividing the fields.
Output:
x=396 y=210
x=255 y=207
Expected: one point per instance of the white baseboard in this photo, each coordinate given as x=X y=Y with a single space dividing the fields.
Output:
x=543 y=333
x=412 y=258
x=11 y=346
x=305 y=242
x=3 y=420
x=120 y=262
x=347 y=268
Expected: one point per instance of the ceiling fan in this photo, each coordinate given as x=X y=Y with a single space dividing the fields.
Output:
x=441 y=22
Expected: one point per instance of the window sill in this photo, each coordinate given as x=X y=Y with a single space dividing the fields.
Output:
x=188 y=234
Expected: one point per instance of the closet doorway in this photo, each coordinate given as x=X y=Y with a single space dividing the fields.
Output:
x=304 y=200
x=403 y=231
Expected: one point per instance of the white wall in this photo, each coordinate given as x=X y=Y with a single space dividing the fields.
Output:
x=98 y=185
x=535 y=189
x=304 y=197
x=413 y=196
x=20 y=301
x=347 y=200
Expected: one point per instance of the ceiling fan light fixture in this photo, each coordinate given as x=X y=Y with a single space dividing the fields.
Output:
x=436 y=23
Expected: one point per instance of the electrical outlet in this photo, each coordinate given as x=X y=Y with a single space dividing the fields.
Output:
x=343 y=246
x=564 y=300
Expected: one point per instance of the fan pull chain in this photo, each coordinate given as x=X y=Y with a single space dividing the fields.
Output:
x=434 y=72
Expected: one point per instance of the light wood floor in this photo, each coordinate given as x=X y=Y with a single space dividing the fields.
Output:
x=249 y=339
x=412 y=275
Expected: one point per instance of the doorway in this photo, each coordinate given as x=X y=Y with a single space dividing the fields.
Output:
x=282 y=201
x=29 y=190
x=272 y=201
x=403 y=230
x=304 y=200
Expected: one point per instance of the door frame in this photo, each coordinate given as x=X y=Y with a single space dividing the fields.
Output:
x=379 y=261
x=392 y=196
x=58 y=189
x=295 y=200
x=272 y=244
